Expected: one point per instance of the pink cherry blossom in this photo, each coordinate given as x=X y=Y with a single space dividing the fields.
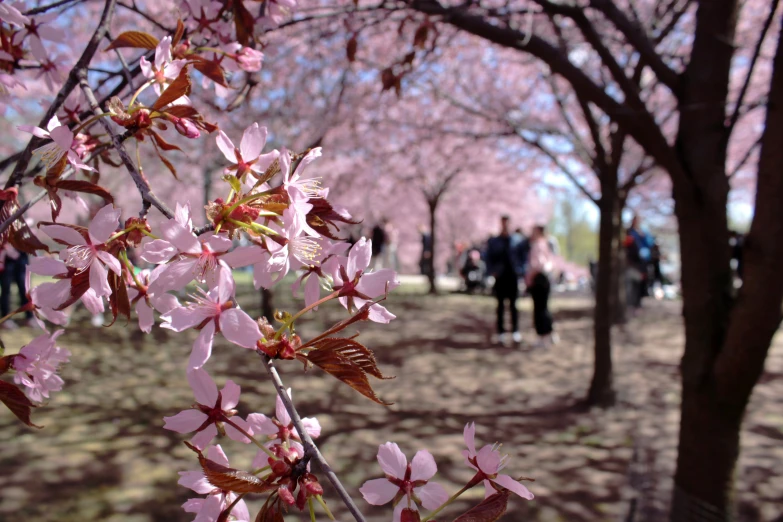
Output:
x=357 y=287
x=194 y=257
x=164 y=69
x=249 y=59
x=326 y=262
x=89 y=253
x=63 y=144
x=405 y=484
x=488 y=462
x=12 y=15
x=36 y=30
x=36 y=367
x=214 y=311
x=280 y=429
x=305 y=188
x=49 y=267
x=248 y=156
x=49 y=297
x=209 y=509
x=211 y=408
x=146 y=302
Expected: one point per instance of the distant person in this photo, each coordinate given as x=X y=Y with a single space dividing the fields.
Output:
x=425 y=261
x=389 y=252
x=506 y=263
x=14 y=265
x=540 y=264
x=473 y=271
x=378 y=236
x=638 y=253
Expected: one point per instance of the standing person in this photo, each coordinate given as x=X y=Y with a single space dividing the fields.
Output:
x=541 y=262
x=378 y=236
x=389 y=252
x=506 y=263
x=637 y=253
x=425 y=265
x=14 y=273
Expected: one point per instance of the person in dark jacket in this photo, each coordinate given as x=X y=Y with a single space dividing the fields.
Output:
x=506 y=260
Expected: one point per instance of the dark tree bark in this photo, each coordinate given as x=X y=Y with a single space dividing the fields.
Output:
x=432 y=204
x=267 y=305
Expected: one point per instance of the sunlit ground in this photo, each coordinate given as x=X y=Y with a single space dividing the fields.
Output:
x=103 y=455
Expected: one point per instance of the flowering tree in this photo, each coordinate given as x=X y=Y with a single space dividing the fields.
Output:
x=150 y=83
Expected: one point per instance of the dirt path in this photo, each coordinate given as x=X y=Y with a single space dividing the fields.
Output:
x=104 y=456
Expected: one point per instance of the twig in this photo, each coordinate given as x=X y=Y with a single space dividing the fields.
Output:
x=147 y=196
x=73 y=78
x=311 y=450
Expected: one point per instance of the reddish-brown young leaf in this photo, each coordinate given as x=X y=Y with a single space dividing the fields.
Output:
x=178 y=33
x=80 y=283
x=230 y=479
x=244 y=22
x=86 y=187
x=135 y=39
x=177 y=89
x=163 y=144
x=118 y=300
x=6 y=362
x=269 y=514
x=166 y=162
x=23 y=239
x=353 y=351
x=348 y=370
x=17 y=402
x=361 y=315
x=490 y=509
x=183 y=111
x=211 y=69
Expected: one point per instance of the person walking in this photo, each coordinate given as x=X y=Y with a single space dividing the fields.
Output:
x=14 y=273
x=379 y=239
x=506 y=263
x=541 y=263
x=427 y=247
x=637 y=254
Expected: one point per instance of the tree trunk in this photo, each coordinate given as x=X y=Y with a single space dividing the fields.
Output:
x=619 y=283
x=267 y=305
x=726 y=343
x=433 y=206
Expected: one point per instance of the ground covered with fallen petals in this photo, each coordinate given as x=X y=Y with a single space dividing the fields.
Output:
x=103 y=455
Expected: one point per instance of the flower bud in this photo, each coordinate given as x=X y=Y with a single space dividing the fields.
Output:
x=285 y=494
x=186 y=127
x=249 y=59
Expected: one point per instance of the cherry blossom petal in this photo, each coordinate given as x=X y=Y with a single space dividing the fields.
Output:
x=216 y=454
x=182 y=318
x=230 y=395
x=469 y=434
x=423 y=466
x=225 y=285
x=109 y=260
x=253 y=141
x=91 y=301
x=219 y=243
x=234 y=433
x=226 y=146
x=375 y=283
x=240 y=511
x=146 y=317
x=245 y=256
x=210 y=509
x=163 y=52
x=173 y=69
x=47 y=266
x=146 y=67
x=196 y=481
x=202 y=348
x=264 y=161
x=193 y=505
x=312 y=426
x=261 y=424
x=204 y=388
x=281 y=412
x=489 y=488
x=204 y=437
x=380 y=314
x=488 y=460
x=239 y=328
x=392 y=460
x=180 y=237
x=432 y=495
x=378 y=491
x=312 y=289
x=158 y=251
x=164 y=303
x=359 y=257
x=104 y=224
x=62 y=136
x=98 y=280
x=176 y=276
x=185 y=421
x=63 y=234
x=513 y=486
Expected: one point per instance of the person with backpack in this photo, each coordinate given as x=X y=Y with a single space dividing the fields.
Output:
x=506 y=258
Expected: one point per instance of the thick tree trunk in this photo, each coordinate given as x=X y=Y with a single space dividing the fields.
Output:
x=601 y=391
x=619 y=289
x=726 y=345
x=433 y=206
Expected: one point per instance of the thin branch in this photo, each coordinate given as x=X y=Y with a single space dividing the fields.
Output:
x=147 y=196
x=147 y=17
x=47 y=7
x=745 y=157
x=310 y=449
x=73 y=78
x=756 y=53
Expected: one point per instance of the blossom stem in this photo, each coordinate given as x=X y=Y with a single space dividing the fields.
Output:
x=234 y=503
x=256 y=227
x=311 y=450
x=89 y=121
x=18 y=310
x=139 y=91
x=312 y=509
x=129 y=266
x=321 y=501
x=449 y=501
x=303 y=311
x=252 y=439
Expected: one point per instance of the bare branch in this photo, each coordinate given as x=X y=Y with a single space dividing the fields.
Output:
x=745 y=157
